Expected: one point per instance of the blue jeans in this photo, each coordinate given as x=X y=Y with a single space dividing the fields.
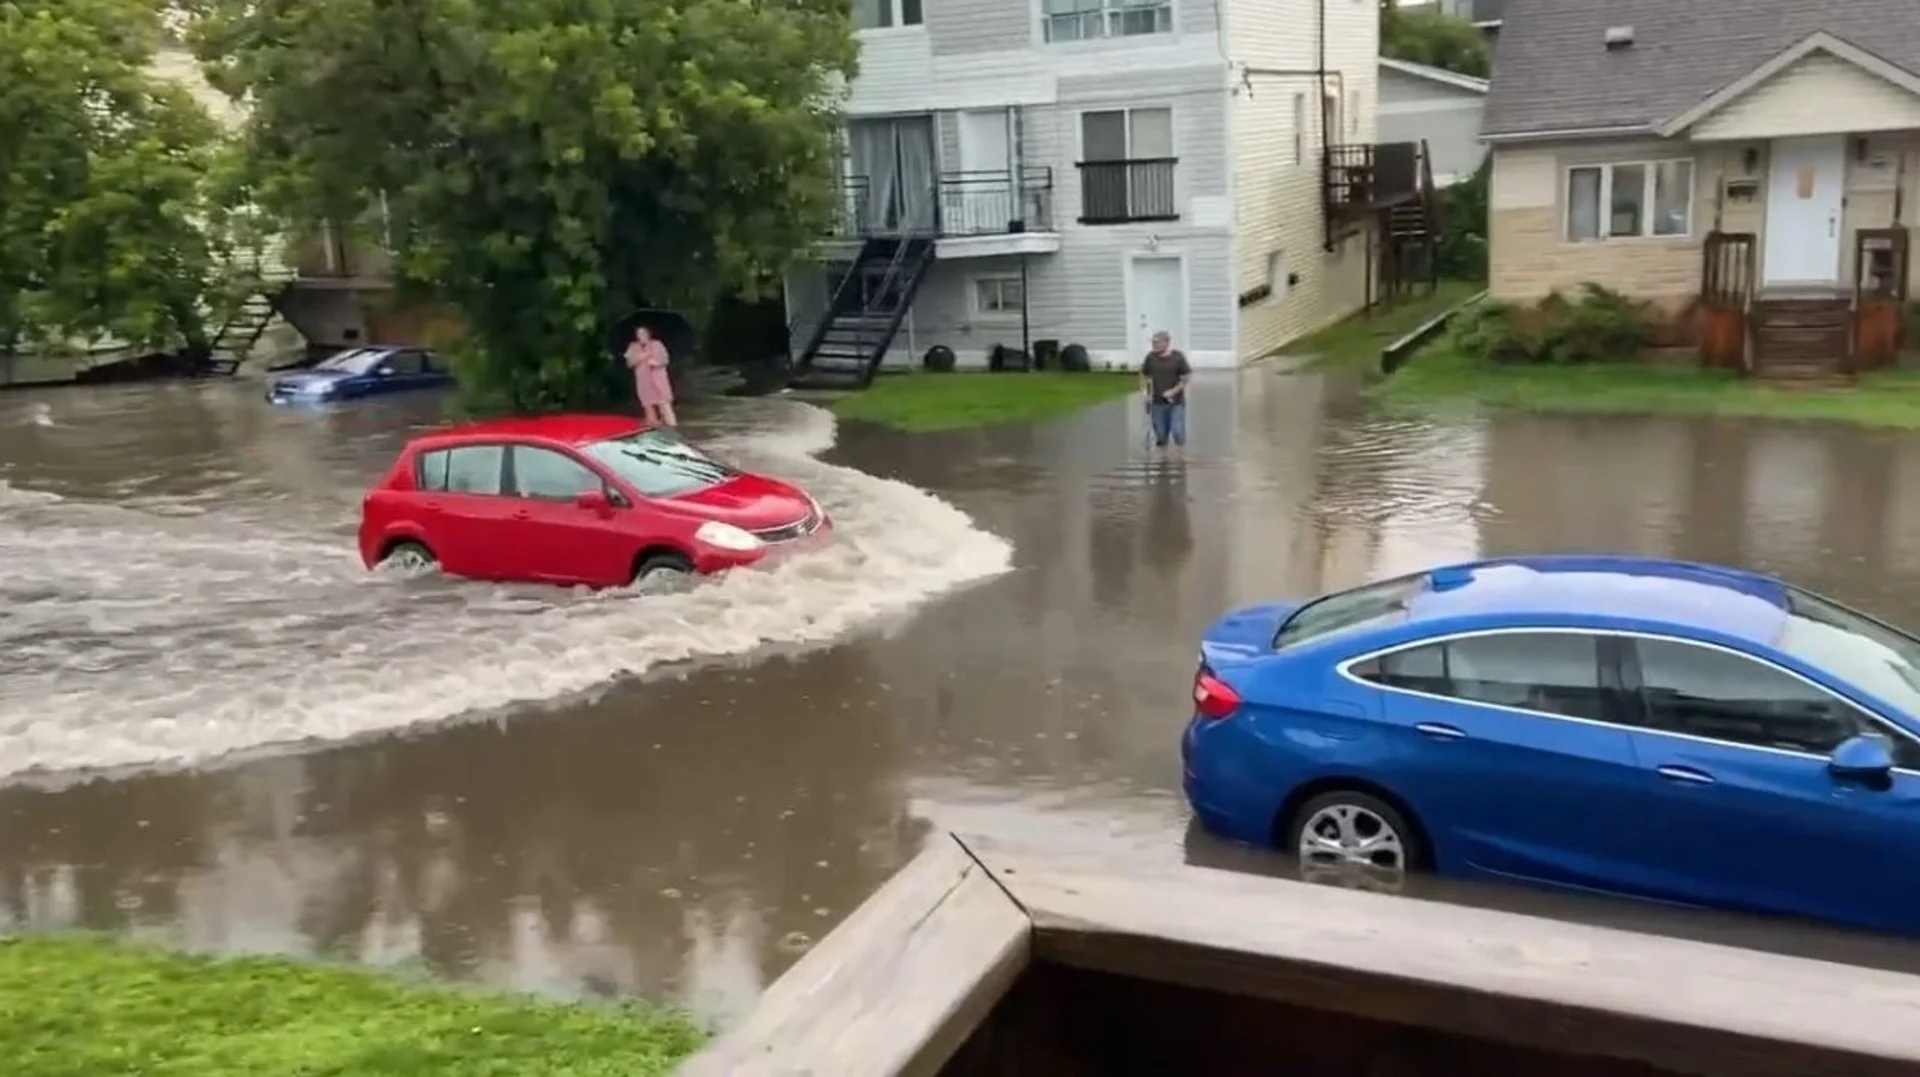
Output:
x=1169 y=422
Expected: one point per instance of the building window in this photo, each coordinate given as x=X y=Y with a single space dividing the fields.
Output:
x=997 y=296
x=1299 y=129
x=1086 y=20
x=881 y=14
x=1630 y=200
x=1126 y=166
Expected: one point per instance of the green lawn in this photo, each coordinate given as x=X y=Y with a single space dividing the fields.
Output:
x=1438 y=379
x=87 y=1007
x=921 y=402
x=1358 y=341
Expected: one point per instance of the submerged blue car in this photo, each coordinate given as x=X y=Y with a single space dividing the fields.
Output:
x=359 y=372
x=1664 y=730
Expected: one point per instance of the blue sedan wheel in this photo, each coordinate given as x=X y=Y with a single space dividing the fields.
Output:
x=1352 y=839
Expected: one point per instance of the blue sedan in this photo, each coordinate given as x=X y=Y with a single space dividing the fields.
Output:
x=359 y=372
x=1663 y=730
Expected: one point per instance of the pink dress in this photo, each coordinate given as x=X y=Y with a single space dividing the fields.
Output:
x=649 y=365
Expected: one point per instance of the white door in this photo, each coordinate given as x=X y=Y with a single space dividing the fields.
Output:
x=1156 y=300
x=980 y=200
x=1803 y=211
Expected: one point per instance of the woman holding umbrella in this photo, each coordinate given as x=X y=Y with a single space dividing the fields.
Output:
x=647 y=358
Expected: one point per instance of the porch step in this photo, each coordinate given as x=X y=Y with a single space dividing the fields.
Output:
x=1801 y=340
x=1793 y=340
x=1802 y=314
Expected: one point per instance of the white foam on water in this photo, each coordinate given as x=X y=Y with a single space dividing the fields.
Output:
x=134 y=639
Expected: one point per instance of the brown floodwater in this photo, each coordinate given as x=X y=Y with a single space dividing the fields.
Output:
x=218 y=730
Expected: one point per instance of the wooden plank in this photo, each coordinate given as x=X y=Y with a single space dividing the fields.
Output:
x=895 y=989
x=1683 y=1006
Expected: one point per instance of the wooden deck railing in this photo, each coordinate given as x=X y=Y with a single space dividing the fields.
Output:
x=985 y=958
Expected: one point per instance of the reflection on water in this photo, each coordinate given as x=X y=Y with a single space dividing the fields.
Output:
x=690 y=831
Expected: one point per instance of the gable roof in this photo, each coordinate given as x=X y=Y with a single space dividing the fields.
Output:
x=1435 y=74
x=1554 y=74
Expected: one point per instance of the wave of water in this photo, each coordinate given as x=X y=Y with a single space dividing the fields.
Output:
x=135 y=638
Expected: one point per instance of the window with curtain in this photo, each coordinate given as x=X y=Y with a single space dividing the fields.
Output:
x=1629 y=200
x=880 y=14
x=1087 y=20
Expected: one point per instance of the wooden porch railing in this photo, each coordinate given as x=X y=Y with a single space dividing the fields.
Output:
x=1881 y=265
x=987 y=958
x=1729 y=277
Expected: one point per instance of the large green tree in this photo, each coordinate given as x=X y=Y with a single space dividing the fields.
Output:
x=1425 y=35
x=547 y=165
x=111 y=195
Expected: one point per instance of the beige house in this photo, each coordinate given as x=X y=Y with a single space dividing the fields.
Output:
x=1758 y=160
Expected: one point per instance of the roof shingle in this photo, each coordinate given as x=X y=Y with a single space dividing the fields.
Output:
x=1553 y=72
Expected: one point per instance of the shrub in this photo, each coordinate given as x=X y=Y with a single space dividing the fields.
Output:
x=1595 y=325
x=1463 y=226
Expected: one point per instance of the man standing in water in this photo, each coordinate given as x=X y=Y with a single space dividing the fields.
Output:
x=1163 y=382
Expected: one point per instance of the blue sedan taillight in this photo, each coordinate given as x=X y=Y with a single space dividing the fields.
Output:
x=1212 y=697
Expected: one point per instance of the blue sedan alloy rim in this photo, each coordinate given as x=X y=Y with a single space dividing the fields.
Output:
x=1352 y=846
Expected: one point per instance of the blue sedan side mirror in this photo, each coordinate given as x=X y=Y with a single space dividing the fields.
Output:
x=1866 y=757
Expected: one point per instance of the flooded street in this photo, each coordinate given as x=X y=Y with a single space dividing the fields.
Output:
x=675 y=793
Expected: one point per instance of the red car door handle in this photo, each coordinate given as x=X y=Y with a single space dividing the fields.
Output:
x=522 y=514
x=434 y=506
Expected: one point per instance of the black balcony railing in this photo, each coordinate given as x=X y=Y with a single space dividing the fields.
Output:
x=1114 y=192
x=851 y=222
x=1369 y=177
x=996 y=203
x=959 y=204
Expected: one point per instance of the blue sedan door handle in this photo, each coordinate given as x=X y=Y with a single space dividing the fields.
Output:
x=1438 y=731
x=1684 y=775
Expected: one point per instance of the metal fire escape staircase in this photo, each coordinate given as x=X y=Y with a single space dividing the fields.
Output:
x=268 y=277
x=867 y=307
x=1385 y=191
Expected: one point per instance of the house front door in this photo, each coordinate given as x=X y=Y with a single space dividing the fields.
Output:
x=1804 y=193
x=1156 y=300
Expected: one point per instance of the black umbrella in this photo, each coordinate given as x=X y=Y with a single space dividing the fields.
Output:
x=669 y=327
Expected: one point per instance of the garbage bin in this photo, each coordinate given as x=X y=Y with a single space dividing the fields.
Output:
x=1046 y=355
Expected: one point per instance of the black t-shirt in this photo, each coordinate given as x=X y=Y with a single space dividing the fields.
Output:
x=1163 y=372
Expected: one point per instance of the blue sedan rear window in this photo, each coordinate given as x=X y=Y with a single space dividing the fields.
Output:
x=1372 y=604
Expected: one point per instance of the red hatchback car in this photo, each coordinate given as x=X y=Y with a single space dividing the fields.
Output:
x=575 y=499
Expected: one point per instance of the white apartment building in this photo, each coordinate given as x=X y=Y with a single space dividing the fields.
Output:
x=1098 y=169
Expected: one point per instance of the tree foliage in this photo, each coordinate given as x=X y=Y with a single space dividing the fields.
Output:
x=1426 y=36
x=1463 y=217
x=547 y=165
x=111 y=201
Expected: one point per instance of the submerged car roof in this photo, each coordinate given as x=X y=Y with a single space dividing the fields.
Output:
x=1685 y=594
x=567 y=429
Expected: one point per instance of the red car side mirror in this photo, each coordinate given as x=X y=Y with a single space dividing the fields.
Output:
x=594 y=501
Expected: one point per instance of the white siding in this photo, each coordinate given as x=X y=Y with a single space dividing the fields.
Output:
x=990 y=53
x=967 y=27
x=893 y=71
x=972 y=57
x=1819 y=94
x=1277 y=204
x=1447 y=118
x=180 y=66
x=1094 y=257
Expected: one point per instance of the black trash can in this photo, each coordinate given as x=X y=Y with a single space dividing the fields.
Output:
x=1046 y=355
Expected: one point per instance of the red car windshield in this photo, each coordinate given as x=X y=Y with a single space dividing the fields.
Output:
x=658 y=464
